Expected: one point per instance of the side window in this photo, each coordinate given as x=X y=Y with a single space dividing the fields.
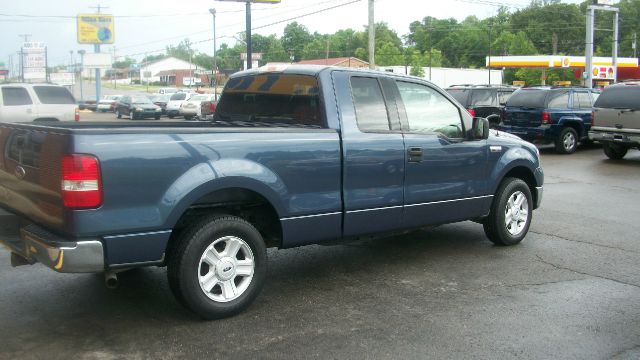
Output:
x=15 y=96
x=581 y=100
x=371 y=111
x=503 y=96
x=558 y=100
x=429 y=111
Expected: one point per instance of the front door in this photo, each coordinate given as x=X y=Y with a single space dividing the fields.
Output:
x=446 y=174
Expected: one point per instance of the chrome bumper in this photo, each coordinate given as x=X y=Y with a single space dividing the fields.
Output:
x=36 y=244
x=616 y=137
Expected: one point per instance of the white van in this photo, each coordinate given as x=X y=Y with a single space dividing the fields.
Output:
x=37 y=102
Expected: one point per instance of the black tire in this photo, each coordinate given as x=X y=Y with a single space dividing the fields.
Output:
x=118 y=114
x=157 y=117
x=567 y=142
x=184 y=267
x=614 y=151
x=495 y=226
x=188 y=117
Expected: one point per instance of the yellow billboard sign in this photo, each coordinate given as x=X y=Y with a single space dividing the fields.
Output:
x=95 y=29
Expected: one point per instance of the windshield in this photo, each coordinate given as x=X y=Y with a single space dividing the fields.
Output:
x=178 y=96
x=461 y=95
x=140 y=100
x=619 y=97
x=532 y=98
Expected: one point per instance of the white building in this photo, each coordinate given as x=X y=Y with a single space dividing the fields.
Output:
x=445 y=77
x=149 y=71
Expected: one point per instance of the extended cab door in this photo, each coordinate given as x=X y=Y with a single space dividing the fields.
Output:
x=373 y=154
x=17 y=105
x=446 y=174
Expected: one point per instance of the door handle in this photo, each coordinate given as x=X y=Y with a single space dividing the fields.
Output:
x=415 y=154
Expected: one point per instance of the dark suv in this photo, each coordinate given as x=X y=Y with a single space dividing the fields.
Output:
x=561 y=116
x=483 y=100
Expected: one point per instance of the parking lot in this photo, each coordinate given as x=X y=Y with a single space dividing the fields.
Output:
x=570 y=290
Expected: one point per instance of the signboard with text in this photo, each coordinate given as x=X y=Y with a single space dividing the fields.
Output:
x=34 y=61
x=95 y=29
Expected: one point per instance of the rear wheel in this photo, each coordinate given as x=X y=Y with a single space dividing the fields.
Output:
x=218 y=267
x=567 y=142
x=511 y=211
x=614 y=151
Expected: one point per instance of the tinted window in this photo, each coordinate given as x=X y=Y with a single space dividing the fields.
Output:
x=503 y=96
x=371 y=111
x=14 y=96
x=270 y=100
x=581 y=100
x=558 y=100
x=54 y=95
x=461 y=95
x=25 y=147
x=533 y=98
x=483 y=97
x=622 y=96
x=179 y=96
x=429 y=111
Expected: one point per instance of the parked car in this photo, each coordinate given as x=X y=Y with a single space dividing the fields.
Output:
x=486 y=101
x=307 y=155
x=175 y=101
x=37 y=102
x=558 y=115
x=137 y=107
x=192 y=107
x=160 y=100
x=108 y=103
x=616 y=119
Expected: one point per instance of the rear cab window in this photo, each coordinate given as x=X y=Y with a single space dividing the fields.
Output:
x=558 y=100
x=461 y=95
x=371 y=111
x=53 y=95
x=178 y=96
x=483 y=97
x=271 y=100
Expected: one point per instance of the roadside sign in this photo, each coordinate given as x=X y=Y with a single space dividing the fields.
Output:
x=190 y=81
x=34 y=61
x=95 y=29
x=602 y=72
x=62 y=78
x=97 y=61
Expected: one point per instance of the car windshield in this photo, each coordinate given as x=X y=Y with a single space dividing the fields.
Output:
x=140 y=100
x=178 y=96
x=461 y=95
x=619 y=97
x=532 y=98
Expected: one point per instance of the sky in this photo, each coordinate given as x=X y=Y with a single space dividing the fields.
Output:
x=148 y=26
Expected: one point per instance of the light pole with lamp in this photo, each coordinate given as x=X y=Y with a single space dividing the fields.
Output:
x=215 y=61
x=81 y=53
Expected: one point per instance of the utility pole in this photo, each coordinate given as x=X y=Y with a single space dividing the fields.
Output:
x=372 y=37
x=215 y=61
x=96 y=49
x=81 y=53
x=634 y=44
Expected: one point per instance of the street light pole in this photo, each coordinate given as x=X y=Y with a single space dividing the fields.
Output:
x=215 y=61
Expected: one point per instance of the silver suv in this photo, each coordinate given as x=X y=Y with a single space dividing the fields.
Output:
x=616 y=119
x=36 y=102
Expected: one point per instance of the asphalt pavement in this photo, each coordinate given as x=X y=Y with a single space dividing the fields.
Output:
x=570 y=290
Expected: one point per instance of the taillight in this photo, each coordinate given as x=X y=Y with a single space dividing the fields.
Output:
x=212 y=107
x=471 y=112
x=77 y=115
x=81 y=183
x=545 y=117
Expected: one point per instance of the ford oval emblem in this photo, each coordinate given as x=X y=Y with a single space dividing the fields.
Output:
x=20 y=172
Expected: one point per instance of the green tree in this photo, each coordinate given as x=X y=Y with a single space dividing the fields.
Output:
x=295 y=37
x=182 y=51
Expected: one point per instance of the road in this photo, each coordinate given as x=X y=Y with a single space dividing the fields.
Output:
x=570 y=290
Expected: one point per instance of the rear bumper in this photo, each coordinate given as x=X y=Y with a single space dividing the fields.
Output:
x=539 y=134
x=36 y=244
x=615 y=137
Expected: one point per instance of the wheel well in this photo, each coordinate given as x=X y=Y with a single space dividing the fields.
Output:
x=576 y=126
x=243 y=203
x=525 y=175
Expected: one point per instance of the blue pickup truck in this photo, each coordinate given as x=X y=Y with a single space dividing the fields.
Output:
x=293 y=156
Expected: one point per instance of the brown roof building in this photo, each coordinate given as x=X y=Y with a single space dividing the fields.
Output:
x=341 y=61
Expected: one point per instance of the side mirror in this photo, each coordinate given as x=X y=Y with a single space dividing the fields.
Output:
x=480 y=128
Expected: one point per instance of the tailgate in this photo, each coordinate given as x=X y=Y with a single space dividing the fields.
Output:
x=524 y=117
x=30 y=172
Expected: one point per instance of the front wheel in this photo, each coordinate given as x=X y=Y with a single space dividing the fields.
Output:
x=218 y=267
x=510 y=215
x=567 y=142
x=614 y=151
